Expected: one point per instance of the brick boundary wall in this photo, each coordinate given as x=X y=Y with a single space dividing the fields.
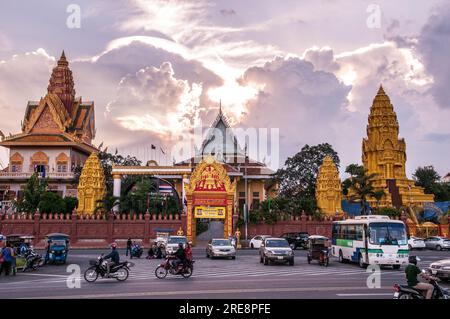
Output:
x=95 y=231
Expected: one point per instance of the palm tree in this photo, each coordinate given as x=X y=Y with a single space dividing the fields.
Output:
x=361 y=184
x=378 y=195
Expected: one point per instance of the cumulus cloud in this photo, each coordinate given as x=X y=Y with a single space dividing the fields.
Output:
x=299 y=100
x=154 y=100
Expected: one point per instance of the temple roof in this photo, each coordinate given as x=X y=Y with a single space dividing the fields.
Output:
x=59 y=112
x=220 y=139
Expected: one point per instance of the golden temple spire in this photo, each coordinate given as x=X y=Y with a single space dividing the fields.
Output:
x=384 y=154
x=61 y=83
x=328 y=188
x=62 y=60
x=92 y=185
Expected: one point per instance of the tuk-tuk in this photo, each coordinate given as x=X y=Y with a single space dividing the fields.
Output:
x=57 y=247
x=20 y=243
x=319 y=249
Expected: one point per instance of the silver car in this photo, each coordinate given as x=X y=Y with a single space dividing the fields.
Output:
x=220 y=247
x=441 y=269
x=437 y=242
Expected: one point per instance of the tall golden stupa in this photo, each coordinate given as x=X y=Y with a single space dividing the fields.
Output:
x=328 y=188
x=385 y=155
x=92 y=186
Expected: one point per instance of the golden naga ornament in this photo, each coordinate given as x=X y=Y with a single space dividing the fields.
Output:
x=92 y=186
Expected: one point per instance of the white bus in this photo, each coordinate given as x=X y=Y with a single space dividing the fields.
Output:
x=371 y=239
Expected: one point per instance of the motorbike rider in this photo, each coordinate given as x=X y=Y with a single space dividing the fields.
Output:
x=180 y=256
x=411 y=272
x=188 y=252
x=113 y=256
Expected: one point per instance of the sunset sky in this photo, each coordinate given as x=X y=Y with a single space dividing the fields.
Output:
x=310 y=68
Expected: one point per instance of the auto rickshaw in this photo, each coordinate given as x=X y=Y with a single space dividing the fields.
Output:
x=20 y=243
x=57 y=247
x=319 y=249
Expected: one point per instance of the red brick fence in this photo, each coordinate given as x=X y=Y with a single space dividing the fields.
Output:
x=95 y=231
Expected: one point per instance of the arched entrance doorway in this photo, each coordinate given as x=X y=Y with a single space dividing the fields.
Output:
x=209 y=195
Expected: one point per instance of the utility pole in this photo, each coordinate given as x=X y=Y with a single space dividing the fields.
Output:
x=246 y=212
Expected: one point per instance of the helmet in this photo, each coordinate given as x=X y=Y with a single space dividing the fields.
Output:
x=413 y=260
x=180 y=245
x=113 y=245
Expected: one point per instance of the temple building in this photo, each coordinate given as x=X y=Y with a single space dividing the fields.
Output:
x=57 y=133
x=329 y=188
x=384 y=154
x=216 y=183
x=222 y=144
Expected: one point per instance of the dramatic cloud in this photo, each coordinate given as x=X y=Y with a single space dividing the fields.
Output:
x=153 y=100
x=299 y=100
x=434 y=46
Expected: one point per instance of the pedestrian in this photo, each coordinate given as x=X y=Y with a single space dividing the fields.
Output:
x=7 y=259
x=151 y=251
x=129 y=244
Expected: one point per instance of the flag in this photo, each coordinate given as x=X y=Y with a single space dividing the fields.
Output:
x=153 y=147
x=162 y=151
x=167 y=189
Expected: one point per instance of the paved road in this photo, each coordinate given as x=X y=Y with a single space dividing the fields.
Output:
x=244 y=277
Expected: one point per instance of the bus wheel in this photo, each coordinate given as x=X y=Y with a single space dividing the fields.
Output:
x=361 y=262
x=396 y=267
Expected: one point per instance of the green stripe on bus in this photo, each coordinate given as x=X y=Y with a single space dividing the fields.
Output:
x=403 y=251
x=372 y=251
x=344 y=242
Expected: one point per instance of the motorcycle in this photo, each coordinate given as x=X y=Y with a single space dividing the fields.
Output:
x=32 y=260
x=407 y=292
x=167 y=267
x=98 y=267
x=136 y=251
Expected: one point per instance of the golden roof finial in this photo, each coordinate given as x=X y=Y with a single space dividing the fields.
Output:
x=62 y=60
x=381 y=90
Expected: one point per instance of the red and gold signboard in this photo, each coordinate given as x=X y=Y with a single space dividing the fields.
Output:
x=210 y=202
x=209 y=212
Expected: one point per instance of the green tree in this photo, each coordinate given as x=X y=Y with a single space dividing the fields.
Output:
x=297 y=179
x=32 y=194
x=426 y=177
x=51 y=203
x=70 y=203
x=361 y=183
x=429 y=179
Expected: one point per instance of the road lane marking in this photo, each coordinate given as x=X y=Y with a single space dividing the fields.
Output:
x=361 y=295
x=208 y=291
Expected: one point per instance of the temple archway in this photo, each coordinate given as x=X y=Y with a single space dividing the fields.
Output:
x=209 y=194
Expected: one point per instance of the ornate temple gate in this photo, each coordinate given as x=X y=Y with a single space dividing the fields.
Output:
x=209 y=194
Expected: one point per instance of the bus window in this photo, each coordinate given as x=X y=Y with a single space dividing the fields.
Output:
x=359 y=232
x=351 y=232
x=387 y=234
x=336 y=230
